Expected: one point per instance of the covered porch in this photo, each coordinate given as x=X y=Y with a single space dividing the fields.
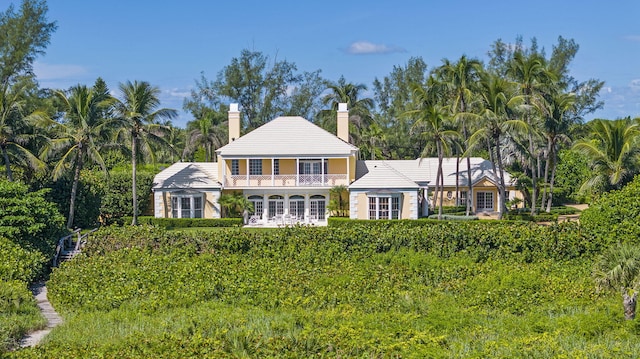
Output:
x=287 y=208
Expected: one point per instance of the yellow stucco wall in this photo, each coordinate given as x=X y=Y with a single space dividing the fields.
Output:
x=405 y=211
x=288 y=166
x=208 y=205
x=337 y=166
x=363 y=206
x=352 y=168
x=266 y=166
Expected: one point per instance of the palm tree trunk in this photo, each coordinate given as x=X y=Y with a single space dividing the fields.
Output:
x=629 y=303
x=546 y=180
x=552 y=158
x=457 y=178
x=7 y=164
x=439 y=178
x=469 y=183
x=134 y=154
x=534 y=178
x=501 y=185
x=74 y=190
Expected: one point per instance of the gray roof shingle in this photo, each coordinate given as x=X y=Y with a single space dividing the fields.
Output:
x=187 y=175
x=287 y=137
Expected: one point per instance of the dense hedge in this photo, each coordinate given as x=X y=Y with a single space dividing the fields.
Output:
x=171 y=223
x=386 y=289
x=614 y=217
x=28 y=219
x=520 y=240
x=18 y=263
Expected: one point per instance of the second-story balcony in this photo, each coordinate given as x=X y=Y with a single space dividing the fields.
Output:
x=294 y=180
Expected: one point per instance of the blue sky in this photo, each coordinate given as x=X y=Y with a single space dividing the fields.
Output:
x=169 y=43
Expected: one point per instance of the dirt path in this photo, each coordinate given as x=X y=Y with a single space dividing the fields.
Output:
x=53 y=319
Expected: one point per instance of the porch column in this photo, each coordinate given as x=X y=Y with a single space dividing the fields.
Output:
x=324 y=180
x=247 y=171
x=273 y=175
x=297 y=171
x=307 y=209
x=286 y=203
x=348 y=172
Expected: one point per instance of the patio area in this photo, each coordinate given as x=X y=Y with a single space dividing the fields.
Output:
x=284 y=220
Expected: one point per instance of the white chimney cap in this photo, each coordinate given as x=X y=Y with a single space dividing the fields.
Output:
x=233 y=107
x=342 y=107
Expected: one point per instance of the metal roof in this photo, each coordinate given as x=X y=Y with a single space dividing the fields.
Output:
x=186 y=175
x=384 y=173
x=291 y=136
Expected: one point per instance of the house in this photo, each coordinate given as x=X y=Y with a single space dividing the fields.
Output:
x=288 y=166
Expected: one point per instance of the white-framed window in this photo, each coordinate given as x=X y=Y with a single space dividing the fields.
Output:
x=463 y=198
x=484 y=201
x=258 y=205
x=384 y=207
x=255 y=167
x=235 y=167
x=296 y=206
x=276 y=205
x=276 y=166
x=317 y=207
x=186 y=206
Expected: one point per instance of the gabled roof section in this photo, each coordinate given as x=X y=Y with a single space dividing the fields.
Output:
x=287 y=136
x=379 y=174
x=188 y=175
x=395 y=173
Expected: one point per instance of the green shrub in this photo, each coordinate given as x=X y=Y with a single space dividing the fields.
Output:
x=18 y=313
x=172 y=223
x=614 y=217
x=28 y=219
x=18 y=263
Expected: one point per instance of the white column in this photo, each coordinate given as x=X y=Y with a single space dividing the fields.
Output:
x=348 y=171
x=273 y=172
x=297 y=171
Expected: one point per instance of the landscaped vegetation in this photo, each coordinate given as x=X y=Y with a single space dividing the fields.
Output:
x=444 y=289
x=425 y=288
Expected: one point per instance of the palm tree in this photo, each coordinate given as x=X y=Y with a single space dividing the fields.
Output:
x=359 y=108
x=460 y=79
x=14 y=129
x=205 y=132
x=139 y=113
x=80 y=135
x=619 y=268
x=434 y=122
x=494 y=121
x=555 y=127
x=612 y=152
x=532 y=76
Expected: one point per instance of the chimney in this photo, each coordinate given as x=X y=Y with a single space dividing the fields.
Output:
x=343 y=122
x=234 y=122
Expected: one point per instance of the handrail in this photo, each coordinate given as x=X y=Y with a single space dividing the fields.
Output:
x=67 y=241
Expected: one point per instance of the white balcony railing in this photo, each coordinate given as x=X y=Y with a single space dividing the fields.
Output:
x=316 y=180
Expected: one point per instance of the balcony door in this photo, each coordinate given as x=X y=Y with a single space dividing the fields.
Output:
x=311 y=171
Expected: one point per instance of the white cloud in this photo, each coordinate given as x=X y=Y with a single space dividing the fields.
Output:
x=635 y=84
x=181 y=93
x=635 y=38
x=365 y=48
x=46 y=71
